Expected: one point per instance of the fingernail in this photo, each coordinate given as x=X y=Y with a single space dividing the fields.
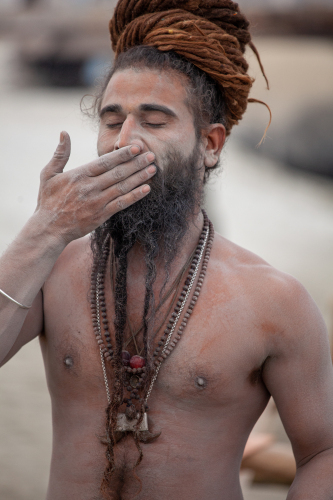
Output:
x=145 y=189
x=151 y=169
x=150 y=157
x=135 y=150
x=62 y=138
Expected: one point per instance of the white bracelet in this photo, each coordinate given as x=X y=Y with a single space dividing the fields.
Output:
x=13 y=300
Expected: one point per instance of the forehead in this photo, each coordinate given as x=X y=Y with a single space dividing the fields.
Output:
x=133 y=87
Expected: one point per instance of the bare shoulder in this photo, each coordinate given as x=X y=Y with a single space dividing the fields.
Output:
x=280 y=300
x=76 y=256
x=248 y=269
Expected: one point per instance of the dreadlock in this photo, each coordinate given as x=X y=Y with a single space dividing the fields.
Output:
x=210 y=34
x=120 y=297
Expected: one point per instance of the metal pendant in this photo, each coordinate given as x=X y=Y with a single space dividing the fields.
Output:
x=134 y=381
x=125 y=425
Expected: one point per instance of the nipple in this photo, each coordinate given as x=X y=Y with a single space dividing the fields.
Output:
x=201 y=382
x=68 y=362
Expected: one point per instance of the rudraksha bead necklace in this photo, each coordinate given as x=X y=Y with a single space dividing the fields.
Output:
x=174 y=289
x=134 y=370
x=165 y=345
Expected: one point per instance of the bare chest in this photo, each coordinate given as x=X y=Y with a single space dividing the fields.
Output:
x=216 y=363
x=207 y=396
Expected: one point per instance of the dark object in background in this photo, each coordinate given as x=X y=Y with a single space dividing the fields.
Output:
x=74 y=72
x=305 y=142
x=56 y=72
x=309 y=143
x=309 y=20
x=65 y=46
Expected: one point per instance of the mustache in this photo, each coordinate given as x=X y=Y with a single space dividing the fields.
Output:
x=159 y=220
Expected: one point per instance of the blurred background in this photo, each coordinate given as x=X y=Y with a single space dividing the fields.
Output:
x=276 y=199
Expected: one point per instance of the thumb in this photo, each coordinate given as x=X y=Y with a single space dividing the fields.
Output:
x=60 y=156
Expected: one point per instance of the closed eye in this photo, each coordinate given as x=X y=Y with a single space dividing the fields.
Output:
x=153 y=125
x=114 y=125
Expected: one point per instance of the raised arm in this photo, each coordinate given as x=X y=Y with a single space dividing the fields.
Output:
x=70 y=205
x=299 y=376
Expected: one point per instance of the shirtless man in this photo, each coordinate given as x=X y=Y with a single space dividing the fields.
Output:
x=253 y=332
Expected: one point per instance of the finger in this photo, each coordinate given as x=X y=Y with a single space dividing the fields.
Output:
x=108 y=161
x=132 y=182
x=60 y=157
x=126 y=200
x=124 y=171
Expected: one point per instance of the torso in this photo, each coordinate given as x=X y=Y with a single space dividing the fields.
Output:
x=204 y=428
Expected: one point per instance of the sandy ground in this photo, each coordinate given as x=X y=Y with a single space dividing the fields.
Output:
x=284 y=216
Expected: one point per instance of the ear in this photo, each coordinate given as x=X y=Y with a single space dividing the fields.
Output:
x=213 y=139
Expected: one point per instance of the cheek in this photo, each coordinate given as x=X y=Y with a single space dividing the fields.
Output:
x=105 y=142
x=186 y=139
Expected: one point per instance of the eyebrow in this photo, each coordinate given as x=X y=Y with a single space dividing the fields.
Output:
x=158 y=107
x=111 y=108
x=116 y=108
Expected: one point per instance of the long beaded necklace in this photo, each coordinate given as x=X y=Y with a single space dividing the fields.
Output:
x=134 y=369
x=172 y=290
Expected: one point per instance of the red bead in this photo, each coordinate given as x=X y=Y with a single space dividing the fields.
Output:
x=137 y=362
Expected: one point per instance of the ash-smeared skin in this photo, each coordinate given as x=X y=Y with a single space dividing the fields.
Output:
x=74 y=203
x=254 y=332
x=70 y=205
x=203 y=430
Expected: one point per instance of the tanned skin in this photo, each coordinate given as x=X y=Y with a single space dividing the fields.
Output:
x=254 y=332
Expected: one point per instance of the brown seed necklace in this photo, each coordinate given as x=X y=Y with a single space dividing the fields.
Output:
x=134 y=369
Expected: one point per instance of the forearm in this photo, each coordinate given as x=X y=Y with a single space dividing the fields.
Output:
x=314 y=480
x=70 y=205
x=24 y=267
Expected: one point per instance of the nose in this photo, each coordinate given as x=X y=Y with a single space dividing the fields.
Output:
x=129 y=135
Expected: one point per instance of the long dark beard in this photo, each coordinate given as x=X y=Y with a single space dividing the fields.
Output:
x=159 y=224
x=159 y=221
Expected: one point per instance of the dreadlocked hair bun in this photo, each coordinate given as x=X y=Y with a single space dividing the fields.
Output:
x=211 y=34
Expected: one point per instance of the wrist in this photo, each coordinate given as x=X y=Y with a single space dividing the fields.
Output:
x=41 y=230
